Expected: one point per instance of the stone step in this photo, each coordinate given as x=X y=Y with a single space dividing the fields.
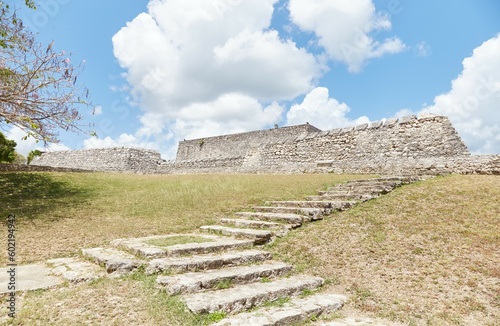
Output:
x=294 y=220
x=200 y=281
x=243 y=297
x=139 y=247
x=356 y=191
x=327 y=205
x=361 y=188
x=205 y=262
x=114 y=261
x=403 y=179
x=314 y=213
x=74 y=270
x=371 y=183
x=294 y=312
x=255 y=224
x=341 y=197
x=347 y=194
x=357 y=321
x=257 y=236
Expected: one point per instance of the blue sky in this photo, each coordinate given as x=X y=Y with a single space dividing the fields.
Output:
x=161 y=71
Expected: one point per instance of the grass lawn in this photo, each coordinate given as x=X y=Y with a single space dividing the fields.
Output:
x=425 y=254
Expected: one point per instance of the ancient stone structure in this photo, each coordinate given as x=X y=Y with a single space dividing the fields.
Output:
x=105 y=159
x=409 y=145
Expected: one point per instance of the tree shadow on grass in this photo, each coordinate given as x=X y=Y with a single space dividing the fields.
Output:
x=34 y=196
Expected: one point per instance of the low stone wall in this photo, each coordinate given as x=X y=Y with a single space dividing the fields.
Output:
x=106 y=159
x=475 y=164
x=34 y=168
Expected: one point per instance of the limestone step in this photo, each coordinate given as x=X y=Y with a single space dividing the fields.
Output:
x=357 y=321
x=112 y=259
x=200 y=281
x=361 y=187
x=243 y=297
x=205 y=262
x=365 y=191
x=255 y=224
x=294 y=220
x=140 y=247
x=372 y=182
x=74 y=270
x=403 y=179
x=295 y=311
x=258 y=236
x=314 y=213
x=328 y=205
x=340 y=197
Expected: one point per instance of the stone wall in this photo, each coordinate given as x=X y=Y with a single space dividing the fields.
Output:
x=409 y=145
x=366 y=148
x=106 y=159
x=6 y=167
x=236 y=146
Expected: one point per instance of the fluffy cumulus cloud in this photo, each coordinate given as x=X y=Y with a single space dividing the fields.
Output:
x=199 y=68
x=183 y=52
x=344 y=29
x=472 y=104
x=124 y=140
x=323 y=112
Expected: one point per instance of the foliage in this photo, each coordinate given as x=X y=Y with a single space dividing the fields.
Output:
x=33 y=154
x=20 y=159
x=39 y=92
x=7 y=149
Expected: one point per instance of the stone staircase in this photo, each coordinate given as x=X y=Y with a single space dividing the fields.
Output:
x=225 y=270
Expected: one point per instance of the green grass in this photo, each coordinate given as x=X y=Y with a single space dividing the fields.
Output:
x=426 y=253
x=68 y=211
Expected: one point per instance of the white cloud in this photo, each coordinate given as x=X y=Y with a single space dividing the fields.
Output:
x=124 y=140
x=204 y=67
x=97 y=110
x=188 y=51
x=24 y=146
x=323 y=112
x=344 y=29
x=422 y=49
x=472 y=104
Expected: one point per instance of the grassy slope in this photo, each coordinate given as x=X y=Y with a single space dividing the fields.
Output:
x=426 y=253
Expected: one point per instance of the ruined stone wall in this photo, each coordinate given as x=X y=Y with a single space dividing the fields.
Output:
x=409 y=145
x=105 y=159
x=375 y=145
x=235 y=146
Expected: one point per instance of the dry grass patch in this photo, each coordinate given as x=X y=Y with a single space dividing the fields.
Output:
x=60 y=213
x=425 y=254
x=176 y=240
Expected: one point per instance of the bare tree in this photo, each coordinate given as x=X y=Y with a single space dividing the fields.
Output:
x=39 y=92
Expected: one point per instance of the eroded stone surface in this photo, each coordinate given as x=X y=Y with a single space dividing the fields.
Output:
x=196 y=282
x=246 y=296
x=259 y=236
x=295 y=311
x=360 y=321
x=27 y=277
x=75 y=270
x=205 y=262
x=113 y=260
x=293 y=219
